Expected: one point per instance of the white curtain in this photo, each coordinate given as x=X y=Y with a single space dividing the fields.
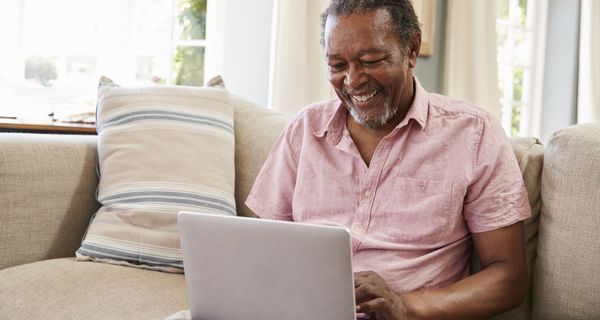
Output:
x=470 y=71
x=298 y=73
x=588 y=102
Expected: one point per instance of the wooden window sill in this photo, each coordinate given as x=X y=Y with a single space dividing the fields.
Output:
x=14 y=125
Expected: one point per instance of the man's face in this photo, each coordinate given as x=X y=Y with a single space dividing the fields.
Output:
x=368 y=68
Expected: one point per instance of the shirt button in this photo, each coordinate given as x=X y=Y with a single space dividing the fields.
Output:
x=367 y=193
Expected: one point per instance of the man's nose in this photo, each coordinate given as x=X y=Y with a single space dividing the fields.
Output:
x=355 y=77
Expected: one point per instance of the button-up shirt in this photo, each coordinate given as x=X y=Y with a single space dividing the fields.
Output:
x=445 y=171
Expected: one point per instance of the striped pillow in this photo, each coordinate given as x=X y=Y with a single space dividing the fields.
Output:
x=160 y=150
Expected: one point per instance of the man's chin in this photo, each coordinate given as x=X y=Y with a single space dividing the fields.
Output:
x=367 y=122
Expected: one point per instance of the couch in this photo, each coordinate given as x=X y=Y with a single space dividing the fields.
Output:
x=47 y=198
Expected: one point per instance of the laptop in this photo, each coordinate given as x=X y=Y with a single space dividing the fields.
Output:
x=240 y=268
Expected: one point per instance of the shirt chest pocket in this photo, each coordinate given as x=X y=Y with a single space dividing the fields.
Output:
x=419 y=212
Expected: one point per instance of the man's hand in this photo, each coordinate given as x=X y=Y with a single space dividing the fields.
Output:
x=376 y=299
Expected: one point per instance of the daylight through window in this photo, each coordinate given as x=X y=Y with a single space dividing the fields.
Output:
x=517 y=70
x=54 y=52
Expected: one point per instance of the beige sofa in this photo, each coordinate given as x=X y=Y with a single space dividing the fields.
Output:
x=47 y=198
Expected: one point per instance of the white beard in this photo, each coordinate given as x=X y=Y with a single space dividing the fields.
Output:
x=388 y=113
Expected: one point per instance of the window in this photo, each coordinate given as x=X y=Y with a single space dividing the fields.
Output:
x=55 y=51
x=519 y=26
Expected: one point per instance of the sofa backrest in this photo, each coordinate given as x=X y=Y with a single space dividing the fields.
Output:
x=566 y=278
x=256 y=130
x=530 y=157
x=47 y=195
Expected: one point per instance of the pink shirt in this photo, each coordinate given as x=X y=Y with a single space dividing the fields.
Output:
x=447 y=170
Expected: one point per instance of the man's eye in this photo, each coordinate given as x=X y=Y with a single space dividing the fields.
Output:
x=368 y=63
x=336 y=67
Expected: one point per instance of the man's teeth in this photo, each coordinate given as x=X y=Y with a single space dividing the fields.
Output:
x=365 y=97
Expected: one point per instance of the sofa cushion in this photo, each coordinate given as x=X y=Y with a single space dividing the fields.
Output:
x=68 y=289
x=161 y=150
x=566 y=277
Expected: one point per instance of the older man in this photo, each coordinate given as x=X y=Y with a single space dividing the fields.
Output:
x=419 y=179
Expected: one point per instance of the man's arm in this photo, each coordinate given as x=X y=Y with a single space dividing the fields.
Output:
x=499 y=286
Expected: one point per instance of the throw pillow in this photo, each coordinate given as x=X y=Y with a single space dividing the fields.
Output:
x=160 y=150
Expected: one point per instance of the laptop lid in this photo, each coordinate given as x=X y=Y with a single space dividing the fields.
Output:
x=247 y=268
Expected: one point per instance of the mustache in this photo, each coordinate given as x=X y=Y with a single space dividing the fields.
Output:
x=367 y=87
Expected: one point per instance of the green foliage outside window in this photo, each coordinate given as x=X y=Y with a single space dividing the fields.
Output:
x=511 y=61
x=189 y=66
x=42 y=69
x=189 y=60
x=192 y=16
x=517 y=96
x=503 y=10
x=516 y=121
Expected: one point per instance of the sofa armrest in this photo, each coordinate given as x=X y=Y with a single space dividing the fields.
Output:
x=47 y=195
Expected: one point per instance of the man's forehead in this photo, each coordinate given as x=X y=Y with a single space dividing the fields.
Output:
x=361 y=33
x=370 y=23
x=361 y=52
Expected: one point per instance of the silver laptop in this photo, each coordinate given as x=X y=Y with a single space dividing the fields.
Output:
x=252 y=269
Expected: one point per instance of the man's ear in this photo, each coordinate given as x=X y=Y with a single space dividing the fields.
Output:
x=414 y=45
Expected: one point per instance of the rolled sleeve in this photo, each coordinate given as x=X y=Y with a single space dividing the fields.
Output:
x=272 y=193
x=496 y=196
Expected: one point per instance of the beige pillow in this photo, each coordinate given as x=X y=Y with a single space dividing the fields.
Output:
x=160 y=150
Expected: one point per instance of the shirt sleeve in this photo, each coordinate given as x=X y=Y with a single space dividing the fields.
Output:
x=272 y=193
x=496 y=196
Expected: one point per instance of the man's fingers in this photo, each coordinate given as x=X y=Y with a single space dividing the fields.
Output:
x=361 y=293
x=370 y=289
x=367 y=292
x=360 y=277
x=375 y=298
x=367 y=277
x=361 y=274
x=372 y=306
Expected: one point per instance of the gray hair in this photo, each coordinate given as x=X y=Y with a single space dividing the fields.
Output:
x=404 y=21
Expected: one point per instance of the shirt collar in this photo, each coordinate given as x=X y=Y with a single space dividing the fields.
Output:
x=334 y=128
x=418 y=111
x=419 y=108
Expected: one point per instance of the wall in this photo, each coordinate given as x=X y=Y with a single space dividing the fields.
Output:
x=429 y=69
x=240 y=53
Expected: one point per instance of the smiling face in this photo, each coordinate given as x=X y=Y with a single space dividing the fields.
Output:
x=369 y=69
